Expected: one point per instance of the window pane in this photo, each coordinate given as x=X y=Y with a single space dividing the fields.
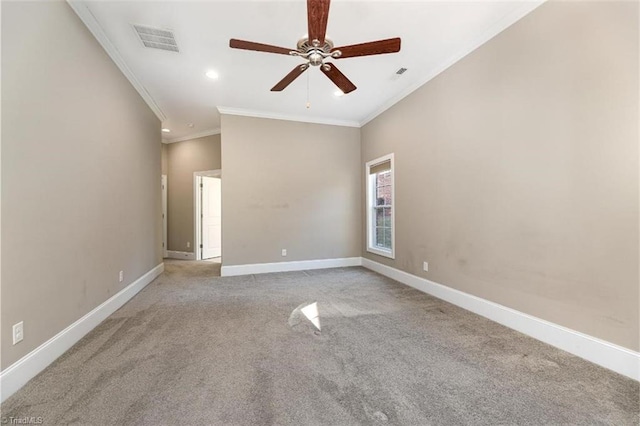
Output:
x=379 y=217
x=387 y=217
x=387 y=238
x=379 y=237
x=383 y=178
x=383 y=195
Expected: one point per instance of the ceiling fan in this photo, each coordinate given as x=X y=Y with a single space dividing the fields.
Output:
x=315 y=48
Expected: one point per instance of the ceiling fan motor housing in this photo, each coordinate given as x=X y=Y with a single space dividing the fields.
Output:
x=312 y=51
x=305 y=46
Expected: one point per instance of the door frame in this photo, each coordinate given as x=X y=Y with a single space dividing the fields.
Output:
x=197 y=208
x=165 y=236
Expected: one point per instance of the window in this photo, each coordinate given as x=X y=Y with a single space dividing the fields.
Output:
x=380 y=208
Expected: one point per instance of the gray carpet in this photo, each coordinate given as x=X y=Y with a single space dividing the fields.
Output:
x=196 y=349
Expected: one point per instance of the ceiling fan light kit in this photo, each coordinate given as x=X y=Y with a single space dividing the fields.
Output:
x=316 y=48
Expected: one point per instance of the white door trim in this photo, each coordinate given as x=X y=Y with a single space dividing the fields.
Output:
x=197 y=180
x=165 y=236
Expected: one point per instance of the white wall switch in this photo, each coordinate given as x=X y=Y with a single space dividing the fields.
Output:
x=284 y=252
x=121 y=276
x=18 y=332
x=425 y=266
x=188 y=244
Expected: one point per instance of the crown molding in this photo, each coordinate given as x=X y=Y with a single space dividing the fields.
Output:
x=495 y=29
x=85 y=15
x=211 y=132
x=277 y=116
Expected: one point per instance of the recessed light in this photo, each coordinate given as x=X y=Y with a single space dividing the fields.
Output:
x=338 y=93
x=166 y=130
x=190 y=125
x=212 y=74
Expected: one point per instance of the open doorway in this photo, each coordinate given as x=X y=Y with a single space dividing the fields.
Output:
x=208 y=215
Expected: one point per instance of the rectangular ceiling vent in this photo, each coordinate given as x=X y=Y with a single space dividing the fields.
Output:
x=396 y=75
x=156 y=38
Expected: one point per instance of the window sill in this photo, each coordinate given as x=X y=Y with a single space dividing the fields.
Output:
x=381 y=252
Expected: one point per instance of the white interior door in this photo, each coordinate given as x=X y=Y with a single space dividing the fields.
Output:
x=211 y=217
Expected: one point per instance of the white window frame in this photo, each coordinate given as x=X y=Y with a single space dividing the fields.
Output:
x=371 y=220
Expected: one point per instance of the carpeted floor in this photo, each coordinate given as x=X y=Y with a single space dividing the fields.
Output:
x=191 y=349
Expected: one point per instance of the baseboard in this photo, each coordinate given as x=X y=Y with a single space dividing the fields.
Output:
x=301 y=265
x=608 y=355
x=184 y=255
x=19 y=373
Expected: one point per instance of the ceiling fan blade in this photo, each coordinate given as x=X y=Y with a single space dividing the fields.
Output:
x=338 y=78
x=295 y=73
x=379 y=47
x=317 y=16
x=250 y=45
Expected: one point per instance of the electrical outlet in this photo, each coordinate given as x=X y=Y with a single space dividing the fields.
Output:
x=18 y=332
x=284 y=252
x=425 y=266
x=188 y=244
x=121 y=276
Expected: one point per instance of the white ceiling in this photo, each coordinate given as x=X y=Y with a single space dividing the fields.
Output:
x=434 y=35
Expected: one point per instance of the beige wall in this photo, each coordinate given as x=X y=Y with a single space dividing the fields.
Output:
x=517 y=170
x=184 y=158
x=80 y=175
x=289 y=185
x=164 y=159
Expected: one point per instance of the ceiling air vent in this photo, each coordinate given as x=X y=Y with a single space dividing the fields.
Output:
x=396 y=75
x=155 y=38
